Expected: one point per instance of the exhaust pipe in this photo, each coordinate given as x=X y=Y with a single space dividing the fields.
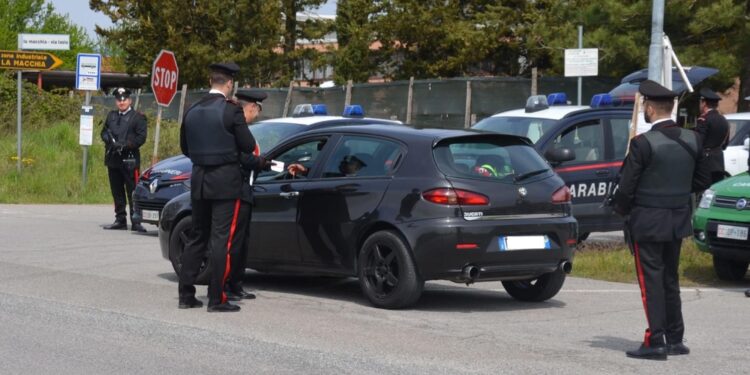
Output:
x=470 y=273
x=566 y=266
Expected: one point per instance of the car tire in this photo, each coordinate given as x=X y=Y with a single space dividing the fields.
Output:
x=177 y=247
x=387 y=273
x=729 y=270
x=539 y=289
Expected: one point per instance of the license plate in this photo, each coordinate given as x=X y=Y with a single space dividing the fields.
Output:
x=731 y=232
x=150 y=215
x=523 y=242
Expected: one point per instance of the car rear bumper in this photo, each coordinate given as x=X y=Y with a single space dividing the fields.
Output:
x=447 y=248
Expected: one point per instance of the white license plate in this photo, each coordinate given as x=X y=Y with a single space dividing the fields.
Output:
x=150 y=215
x=731 y=232
x=523 y=242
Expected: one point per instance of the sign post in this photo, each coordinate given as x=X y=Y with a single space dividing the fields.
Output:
x=20 y=60
x=164 y=76
x=88 y=78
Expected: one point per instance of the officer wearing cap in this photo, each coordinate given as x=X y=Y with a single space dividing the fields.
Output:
x=252 y=104
x=124 y=132
x=663 y=167
x=213 y=135
x=714 y=129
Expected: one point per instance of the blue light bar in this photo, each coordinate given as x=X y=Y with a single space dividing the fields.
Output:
x=302 y=110
x=557 y=98
x=354 y=110
x=320 y=109
x=536 y=103
x=601 y=100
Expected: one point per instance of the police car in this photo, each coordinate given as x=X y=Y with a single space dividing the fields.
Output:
x=736 y=153
x=585 y=144
x=171 y=177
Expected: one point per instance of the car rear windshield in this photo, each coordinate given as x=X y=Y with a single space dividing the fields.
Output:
x=270 y=134
x=738 y=132
x=529 y=127
x=497 y=159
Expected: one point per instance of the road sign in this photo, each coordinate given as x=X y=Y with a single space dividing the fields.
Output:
x=88 y=71
x=581 y=62
x=164 y=75
x=44 y=41
x=23 y=60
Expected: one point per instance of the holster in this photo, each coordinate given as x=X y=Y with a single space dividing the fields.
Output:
x=129 y=161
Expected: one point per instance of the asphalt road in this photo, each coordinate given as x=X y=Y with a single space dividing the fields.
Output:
x=75 y=299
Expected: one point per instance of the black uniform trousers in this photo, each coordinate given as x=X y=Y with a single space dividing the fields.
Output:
x=213 y=234
x=241 y=247
x=656 y=266
x=121 y=183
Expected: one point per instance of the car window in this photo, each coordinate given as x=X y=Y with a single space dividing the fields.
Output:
x=357 y=156
x=738 y=131
x=270 y=134
x=585 y=139
x=305 y=153
x=497 y=160
x=620 y=135
x=529 y=127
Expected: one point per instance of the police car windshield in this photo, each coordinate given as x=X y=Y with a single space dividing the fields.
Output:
x=529 y=127
x=270 y=134
x=738 y=131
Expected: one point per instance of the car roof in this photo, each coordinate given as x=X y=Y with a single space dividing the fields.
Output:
x=552 y=113
x=314 y=120
x=738 y=116
x=407 y=133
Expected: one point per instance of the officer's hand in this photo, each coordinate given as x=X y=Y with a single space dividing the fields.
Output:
x=263 y=164
x=117 y=146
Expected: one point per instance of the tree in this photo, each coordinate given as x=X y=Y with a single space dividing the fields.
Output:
x=33 y=16
x=354 y=60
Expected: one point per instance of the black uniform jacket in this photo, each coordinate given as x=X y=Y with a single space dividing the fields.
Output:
x=656 y=224
x=714 y=129
x=129 y=130
x=223 y=181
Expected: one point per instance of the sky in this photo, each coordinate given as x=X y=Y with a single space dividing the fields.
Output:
x=81 y=15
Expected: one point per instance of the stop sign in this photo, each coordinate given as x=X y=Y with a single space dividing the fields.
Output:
x=164 y=76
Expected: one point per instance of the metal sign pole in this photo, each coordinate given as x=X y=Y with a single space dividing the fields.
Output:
x=18 y=128
x=86 y=148
x=580 y=79
x=156 y=136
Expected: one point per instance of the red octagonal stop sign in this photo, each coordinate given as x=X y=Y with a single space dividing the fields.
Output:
x=164 y=75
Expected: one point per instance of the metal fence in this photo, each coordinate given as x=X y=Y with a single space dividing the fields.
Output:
x=435 y=103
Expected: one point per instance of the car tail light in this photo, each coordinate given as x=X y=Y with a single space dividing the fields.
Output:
x=448 y=196
x=182 y=176
x=561 y=195
x=146 y=174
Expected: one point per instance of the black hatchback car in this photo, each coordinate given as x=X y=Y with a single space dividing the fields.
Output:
x=424 y=204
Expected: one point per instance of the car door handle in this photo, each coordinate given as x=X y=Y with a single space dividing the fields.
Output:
x=602 y=172
x=289 y=195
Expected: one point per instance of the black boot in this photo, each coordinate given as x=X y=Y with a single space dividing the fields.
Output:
x=135 y=227
x=117 y=225
x=658 y=353
x=223 y=307
x=677 y=349
x=189 y=303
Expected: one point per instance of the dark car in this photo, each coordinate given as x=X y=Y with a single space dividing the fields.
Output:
x=426 y=204
x=171 y=177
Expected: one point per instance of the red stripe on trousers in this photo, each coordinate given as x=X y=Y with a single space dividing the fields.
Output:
x=642 y=284
x=229 y=249
x=136 y=174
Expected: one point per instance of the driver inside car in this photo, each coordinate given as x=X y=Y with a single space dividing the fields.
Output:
x=348 y=167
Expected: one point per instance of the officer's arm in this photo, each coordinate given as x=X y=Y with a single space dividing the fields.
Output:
x=702 y=172
x=244 y=140
x=140 y=131
x=105 y=134
x=701 y=127
x=183 y=141
x=630 y=174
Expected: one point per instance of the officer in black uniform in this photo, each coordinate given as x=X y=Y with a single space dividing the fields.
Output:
x=124 y=132
x=252 y=104
x=714 y=129
x=213 y=134
x=663 y=167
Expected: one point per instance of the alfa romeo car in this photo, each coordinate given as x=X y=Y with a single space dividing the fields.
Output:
x=171 y=177
x=721 y=224
x=396 y=206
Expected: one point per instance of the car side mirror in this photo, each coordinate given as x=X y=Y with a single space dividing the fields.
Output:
x=558 y=155
x=746 y=144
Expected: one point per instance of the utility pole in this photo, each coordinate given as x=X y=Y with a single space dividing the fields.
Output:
x=655 y=53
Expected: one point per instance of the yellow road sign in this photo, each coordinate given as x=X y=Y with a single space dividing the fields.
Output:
x=24 y=60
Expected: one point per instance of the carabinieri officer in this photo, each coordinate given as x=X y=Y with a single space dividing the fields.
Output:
x=664 y=166
x=213 y=135
x=714 y=129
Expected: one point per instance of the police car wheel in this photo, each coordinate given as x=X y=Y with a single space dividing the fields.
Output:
x=177 y=247
x=729 y=270
x=536 y=290
x=387 y=273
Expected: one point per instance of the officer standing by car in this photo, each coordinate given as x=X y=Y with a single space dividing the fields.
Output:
x=664 y=166
x=252 y=104
x=213 y=134
x=714 y=129
x=124 y=132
